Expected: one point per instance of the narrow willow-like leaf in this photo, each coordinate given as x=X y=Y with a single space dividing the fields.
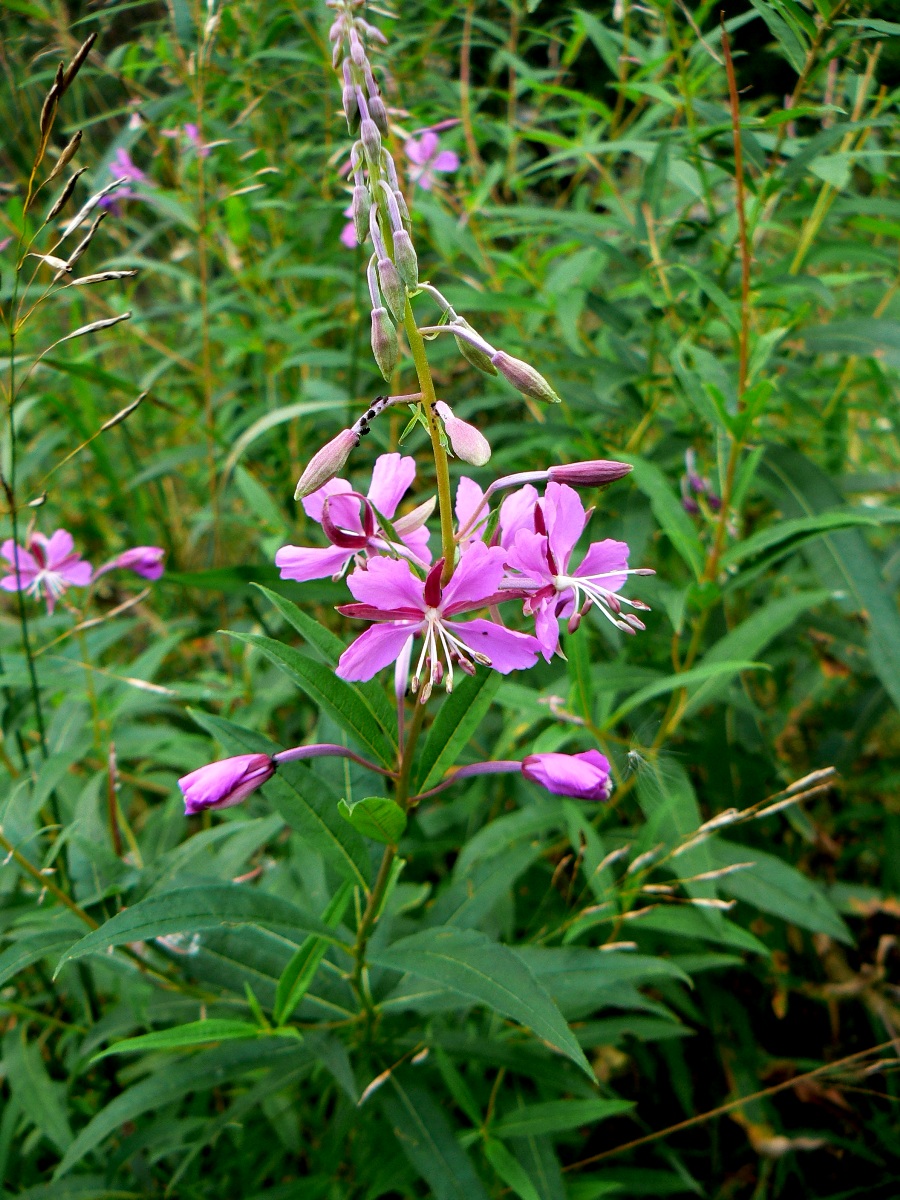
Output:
x=459 y=716
x=298 y=975
x=184 y=1037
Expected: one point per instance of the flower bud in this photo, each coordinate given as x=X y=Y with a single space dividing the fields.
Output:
x=404 y=211
x=378 y=113
x=467 y=442
x=360 y=206
x=524 y=377
x=392 y=288
x=596 y=472
x=472 y=354
x=385 y=346
x=146 y=561
x=405 y=258
x=326 y=463
x=371 y=140
x=226 y=783
x=583 y=776
x=357 y=50
x=351 y=110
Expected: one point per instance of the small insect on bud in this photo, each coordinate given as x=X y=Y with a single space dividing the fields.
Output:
x=360 y=208
x=467 y=442
x=405 y=258
x=385 y=346
x=326 y=463
x=371 y=140
x=392 y=288
x=472 y=354
x=524 y=377
x=596 y=472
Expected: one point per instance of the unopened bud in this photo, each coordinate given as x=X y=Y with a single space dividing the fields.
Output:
x=357 y=50
x=371 y=140
x=360 y=206
x=524 y=377
x=326 y=463
x=403 y=210
x=467 y=442
x=596 y=472
x=385 y=346
x=471 y=353
x=378 y=113
x=351 y=109
x=405 y=258
x=392 y=288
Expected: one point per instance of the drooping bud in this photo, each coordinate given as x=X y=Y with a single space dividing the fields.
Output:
x=524 y=377
x=584 y=776
x=326 y=463
x=596 y=472
x=467 y=442
x=370 y=138
x=385 y=346
x=404 y=211
x=360 y=207
x=472 y=354
x=392 y=288
x=357 y=50
x=225 y=783
x=351 y=106
x=405 y=258
x=378 y=113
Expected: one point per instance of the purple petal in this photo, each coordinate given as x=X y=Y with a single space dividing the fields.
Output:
x=76 y=572
x=146 y=561
x=312 y=504
x=585 y=776
x=57 y=547
x=379 y=646
x=27 y=564
x=348 y=236
x=226 y=783
x=302 y=563
x=565 y=517
x=387 y=583
x=507 y=649
x=445 y=161
x=517 y=512
x=476 y=577
x=608 y=559
x=10 y=583
x=546 y=628
x=417 y=541
x=529 y=555
x=468 y=500
x=392 y=476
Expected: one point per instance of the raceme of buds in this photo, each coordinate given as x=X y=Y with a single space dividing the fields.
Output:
x=326 y=463
x=596 y=472
x=385 y=346
x=467 y=442
x=524 y=377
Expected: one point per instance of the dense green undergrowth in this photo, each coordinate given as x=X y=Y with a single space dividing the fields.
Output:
x=748 y=371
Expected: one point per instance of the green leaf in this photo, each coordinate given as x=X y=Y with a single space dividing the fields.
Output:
x=193 y=909
x=788 y=38
x=510 y=1170
x=776 y=887
x=376 y=817
x=331 y=648
x=578 y=665
x=34 y=1090
x=323 y=687
x=750 y=638
x=302 y=798
x=44 y=943
x=667 y=509
x=196 y=1033
x=557 y=1116
x=459 y=716
x=428 y=1141
x=795 y=531
x=485 y=972
x=297 y=976
x=671 y=683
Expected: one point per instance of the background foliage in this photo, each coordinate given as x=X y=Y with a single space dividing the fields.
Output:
x=593 y=227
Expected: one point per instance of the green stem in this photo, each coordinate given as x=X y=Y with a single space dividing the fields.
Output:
x=441 y=467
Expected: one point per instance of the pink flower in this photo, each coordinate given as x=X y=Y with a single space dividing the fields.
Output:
x=540 y=561
x=225 y=783
x=584 y=776
x=351 y=525
x=146 y=561
x=427 y=159
x=122 y=164
x=516 y=512
x=46 y=568
x=405 y=607
x=348 y=233
x=191 y=134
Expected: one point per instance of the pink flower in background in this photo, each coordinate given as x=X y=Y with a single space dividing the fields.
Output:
x=405 y=607
x=351 y=525
x=122 y=164
x=225 y=783
x=191 y=134
x=540 y=562
x=47 y=568
x=584 y=776
x=146 y=561
x=348 y=233
x=427 y=159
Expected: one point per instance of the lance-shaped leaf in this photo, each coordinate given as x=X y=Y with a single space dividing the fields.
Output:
x=460 y=715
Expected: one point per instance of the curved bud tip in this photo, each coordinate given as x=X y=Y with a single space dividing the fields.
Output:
x=594 y=473
x=524 y=377
x=225 y=783
x=467 y=442
x=385 y=346
x=325 y=464
x=582 y=776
